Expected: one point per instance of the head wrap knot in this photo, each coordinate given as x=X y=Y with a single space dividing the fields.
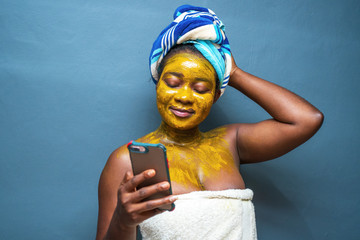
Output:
x=201 y=27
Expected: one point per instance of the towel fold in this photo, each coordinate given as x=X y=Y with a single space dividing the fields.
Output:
x=227 y=214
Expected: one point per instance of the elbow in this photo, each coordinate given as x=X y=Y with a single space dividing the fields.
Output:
x=314 y=121
x=318 y=119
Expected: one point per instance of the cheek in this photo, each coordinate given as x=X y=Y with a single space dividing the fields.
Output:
x=205 y=103
x=163 y=96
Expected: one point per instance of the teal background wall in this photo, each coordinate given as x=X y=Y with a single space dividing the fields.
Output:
x=74 y=85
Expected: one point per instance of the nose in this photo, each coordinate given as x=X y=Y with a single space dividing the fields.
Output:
x=185 y=95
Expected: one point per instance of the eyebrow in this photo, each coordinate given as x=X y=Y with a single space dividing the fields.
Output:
x=203 y=80
x=180 y=75
x=176 y=74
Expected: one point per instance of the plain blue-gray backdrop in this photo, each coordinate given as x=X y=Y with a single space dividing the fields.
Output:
x=74 y=85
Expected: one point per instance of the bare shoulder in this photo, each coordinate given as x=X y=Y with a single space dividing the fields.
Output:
x=118 y=162
x=226 y=132
x=227 y=137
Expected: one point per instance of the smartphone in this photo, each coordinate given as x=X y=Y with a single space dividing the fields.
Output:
x=146 y=156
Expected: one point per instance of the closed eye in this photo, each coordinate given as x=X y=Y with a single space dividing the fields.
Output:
x=201 y=91
x=172 y=82
x=201 y=88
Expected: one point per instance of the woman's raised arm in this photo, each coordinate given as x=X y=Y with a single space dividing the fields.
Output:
x=294 y=119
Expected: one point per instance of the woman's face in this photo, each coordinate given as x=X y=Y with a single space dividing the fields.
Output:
x=186 y=90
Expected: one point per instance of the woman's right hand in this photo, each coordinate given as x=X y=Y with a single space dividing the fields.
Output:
x=130 y=209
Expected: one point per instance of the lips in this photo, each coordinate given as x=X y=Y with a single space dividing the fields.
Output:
x=181 y=112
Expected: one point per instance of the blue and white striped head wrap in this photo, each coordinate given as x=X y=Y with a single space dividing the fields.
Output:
x=201 y=27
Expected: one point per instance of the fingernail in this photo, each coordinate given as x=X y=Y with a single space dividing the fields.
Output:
x=164 y=185
x=151 y=173
x=173 y=198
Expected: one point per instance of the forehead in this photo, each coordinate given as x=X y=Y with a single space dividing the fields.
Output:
x=189 y=64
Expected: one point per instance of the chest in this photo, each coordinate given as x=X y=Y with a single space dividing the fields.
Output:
x=190 y=166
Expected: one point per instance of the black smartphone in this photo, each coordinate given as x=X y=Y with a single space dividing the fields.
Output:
x=146 y=156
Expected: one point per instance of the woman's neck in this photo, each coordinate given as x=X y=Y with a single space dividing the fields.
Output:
x=179 y=137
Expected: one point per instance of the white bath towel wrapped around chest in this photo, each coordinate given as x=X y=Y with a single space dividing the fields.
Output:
x=227 y=214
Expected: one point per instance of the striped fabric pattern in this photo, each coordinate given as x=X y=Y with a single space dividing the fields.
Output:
x=201 y=27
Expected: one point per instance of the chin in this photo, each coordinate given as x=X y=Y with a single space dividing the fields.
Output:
x=181 y=126
x=183 y=123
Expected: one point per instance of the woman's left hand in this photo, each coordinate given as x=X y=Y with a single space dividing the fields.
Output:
x=234 y=68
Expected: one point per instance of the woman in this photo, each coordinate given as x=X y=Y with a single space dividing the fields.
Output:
x=190 y=76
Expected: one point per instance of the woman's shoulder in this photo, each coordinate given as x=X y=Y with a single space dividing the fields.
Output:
x=226 y=132
x=121 y=154
x=119 y=159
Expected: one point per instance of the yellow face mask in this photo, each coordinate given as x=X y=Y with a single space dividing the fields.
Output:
x=186 y=90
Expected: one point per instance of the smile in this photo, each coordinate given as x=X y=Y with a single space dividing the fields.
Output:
x=180 y=112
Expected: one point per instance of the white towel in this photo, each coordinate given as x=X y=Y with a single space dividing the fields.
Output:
x=227 y=214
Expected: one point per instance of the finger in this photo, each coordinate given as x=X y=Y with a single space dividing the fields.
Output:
x=149 y=214
x=153 y=204
x=137 y=179
x=127 y=177
x=148 y=191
